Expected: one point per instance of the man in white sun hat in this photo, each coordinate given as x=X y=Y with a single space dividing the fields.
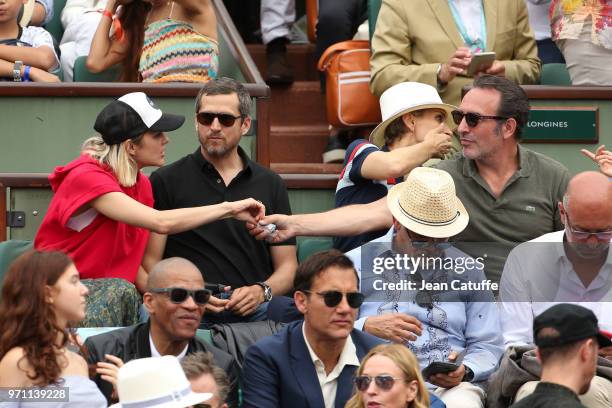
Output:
x=424 y=293
x=416 y=127
x=155 y=382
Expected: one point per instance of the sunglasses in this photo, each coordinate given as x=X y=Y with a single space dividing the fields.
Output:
x=472 y=119
x=384 y=382
x=179 y=295
x=225 y=119
x=332 y=298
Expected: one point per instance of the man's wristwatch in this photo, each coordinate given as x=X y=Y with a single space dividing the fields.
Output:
x=469 y=374
x=17 y=71
x=267 y=291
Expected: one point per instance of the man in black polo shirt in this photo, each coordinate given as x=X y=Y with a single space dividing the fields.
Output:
x=568 y=340
x=218 y=171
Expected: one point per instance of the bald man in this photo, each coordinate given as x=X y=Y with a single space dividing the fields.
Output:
x=573 y=265
x=175 y=300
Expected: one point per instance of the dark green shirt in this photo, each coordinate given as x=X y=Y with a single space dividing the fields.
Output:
x=548 y=395
x=526 y=208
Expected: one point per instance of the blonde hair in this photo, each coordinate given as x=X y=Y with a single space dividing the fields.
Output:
x=407 y=362
x=115 y=156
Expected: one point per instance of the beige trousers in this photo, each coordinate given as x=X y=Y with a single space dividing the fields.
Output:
x=464 y=395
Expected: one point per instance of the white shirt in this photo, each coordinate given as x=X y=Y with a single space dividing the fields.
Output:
x=470 y=12
x=155 y=353
x=538 y=18
x=329 y=383
x=538 y=275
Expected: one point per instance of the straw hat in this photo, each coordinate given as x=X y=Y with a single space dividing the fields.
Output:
x=407 y=97
x=155 y=382
x=426 y=204
x=26 y=15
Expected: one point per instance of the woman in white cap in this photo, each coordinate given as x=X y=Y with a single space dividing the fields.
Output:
x=416 y=127
x=41 y=297
x=101 y=212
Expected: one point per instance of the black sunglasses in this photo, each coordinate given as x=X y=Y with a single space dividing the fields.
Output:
x=225 y=119
x=472 y=119
x=179 y=295
x=332 y=298
x=384 y=382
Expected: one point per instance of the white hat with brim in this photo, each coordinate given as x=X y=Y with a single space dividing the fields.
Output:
x=155 y=382
x=426 y=203
x=26 y=16
x=407 y=97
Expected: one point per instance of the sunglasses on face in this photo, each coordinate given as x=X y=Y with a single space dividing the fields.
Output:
x=225 y=119
x=384 y=382
x=472 y=119
x=332 y=298
x=179 y=295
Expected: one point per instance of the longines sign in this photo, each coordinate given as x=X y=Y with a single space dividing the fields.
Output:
x=562 y=124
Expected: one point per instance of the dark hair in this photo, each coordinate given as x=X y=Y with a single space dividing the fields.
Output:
x=200 y=363
x=397 y=128
x=26 y=318
x=133 y=19
x=226 y=86
x=514 y=102
x=563 y=351
x=315 y=264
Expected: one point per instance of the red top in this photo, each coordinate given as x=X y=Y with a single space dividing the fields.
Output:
x=105 y=248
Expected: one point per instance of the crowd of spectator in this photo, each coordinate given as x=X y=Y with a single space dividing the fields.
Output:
x=209 y=241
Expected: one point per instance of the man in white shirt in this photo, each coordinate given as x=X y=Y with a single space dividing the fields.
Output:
x=570 y=266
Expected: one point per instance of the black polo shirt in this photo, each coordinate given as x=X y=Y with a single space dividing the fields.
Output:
x=223 y=250
x=548 y=395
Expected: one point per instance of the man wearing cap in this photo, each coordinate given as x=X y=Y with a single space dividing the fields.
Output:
x=101 y=211
x=510 y=192
x=428 y=295
x=175 y=300
x=415 y=128
x=567 y=339
x=219 y=170
x=572 y=265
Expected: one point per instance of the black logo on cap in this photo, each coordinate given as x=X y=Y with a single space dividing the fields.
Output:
x=151 y=103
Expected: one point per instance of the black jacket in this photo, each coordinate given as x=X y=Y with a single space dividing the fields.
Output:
x=132 y=342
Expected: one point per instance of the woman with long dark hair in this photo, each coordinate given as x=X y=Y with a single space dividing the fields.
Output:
x=42 y=296
x=157 y=40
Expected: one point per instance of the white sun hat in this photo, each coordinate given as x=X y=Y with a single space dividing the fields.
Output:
x=407 y=97
x=26 y=15
x=426 y=203
x=155 y=382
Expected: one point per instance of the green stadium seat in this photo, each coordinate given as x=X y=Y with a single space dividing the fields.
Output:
x=308 y=246
x=9 y=250
x=555 y=74
x=373 y=9
x=82 y=74
x=55 y=25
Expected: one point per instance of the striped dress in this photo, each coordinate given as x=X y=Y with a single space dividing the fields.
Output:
x=174 y=51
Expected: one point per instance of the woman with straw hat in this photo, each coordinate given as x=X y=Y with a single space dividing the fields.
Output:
x=416 y=127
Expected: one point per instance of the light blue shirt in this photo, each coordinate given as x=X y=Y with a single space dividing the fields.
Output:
x=470 y=321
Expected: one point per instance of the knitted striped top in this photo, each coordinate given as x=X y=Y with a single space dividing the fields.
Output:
x=174 y=51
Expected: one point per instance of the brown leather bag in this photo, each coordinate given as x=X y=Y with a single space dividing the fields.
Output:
x=349 y=100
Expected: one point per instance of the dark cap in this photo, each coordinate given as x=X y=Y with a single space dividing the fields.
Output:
x=132 y=115
x=573 y=322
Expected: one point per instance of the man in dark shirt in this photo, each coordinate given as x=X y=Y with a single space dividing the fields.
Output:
x=568 y=340
x=219 y=171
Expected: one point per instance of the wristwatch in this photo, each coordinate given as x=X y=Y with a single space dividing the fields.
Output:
x=17 y=71
x=267 y=291
x=469 y=374
x=439 y=84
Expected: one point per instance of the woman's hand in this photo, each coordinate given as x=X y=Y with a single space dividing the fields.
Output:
x=39 y=75
x=109 y=371
x=249 y=210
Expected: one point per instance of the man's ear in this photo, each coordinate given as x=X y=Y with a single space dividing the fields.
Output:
x=587 y=349
x=538 y=357
x=245 y=125
x=148 y=301
x=561 y=212
x=301 y=301
x=509 y=128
